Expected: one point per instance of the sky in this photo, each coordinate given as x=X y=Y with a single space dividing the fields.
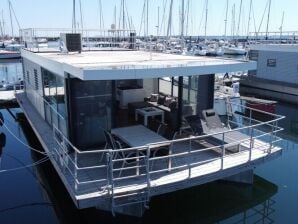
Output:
x=58 y=14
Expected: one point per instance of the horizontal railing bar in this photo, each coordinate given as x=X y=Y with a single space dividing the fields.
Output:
x=128 y=168
x=129 y=177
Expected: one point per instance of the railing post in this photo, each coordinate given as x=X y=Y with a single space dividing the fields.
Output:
x=188 y=160
x=222 y=151
x=110 y=173
x=111 y=179
x=251 y=144
x=148 y=173
x=148 y=165
x=75 y=169
x=250 y=116
x=274 y=125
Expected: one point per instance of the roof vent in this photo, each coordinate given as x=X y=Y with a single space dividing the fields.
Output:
x=70 y=42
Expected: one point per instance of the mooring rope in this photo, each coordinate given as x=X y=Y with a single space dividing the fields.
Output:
x=22 y=142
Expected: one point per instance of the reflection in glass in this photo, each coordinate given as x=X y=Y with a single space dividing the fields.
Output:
x=54 y=95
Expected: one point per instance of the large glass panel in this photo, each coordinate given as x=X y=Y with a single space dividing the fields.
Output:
x=55 y=109
x=165 y=86
x=189 y=95
x=91 y=106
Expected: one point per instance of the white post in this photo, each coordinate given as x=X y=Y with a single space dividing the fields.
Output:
x=222 y=151
x=76 y=171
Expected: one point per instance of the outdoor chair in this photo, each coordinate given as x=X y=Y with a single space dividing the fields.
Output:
x=165 y=150
x=211 y=124
x=125 y=157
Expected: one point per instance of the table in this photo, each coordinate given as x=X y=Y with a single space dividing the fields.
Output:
x=149 y=112
x=138 y=136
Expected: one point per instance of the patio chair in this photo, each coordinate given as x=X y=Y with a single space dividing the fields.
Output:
x=116 y=145
x=211 y=124
x=194 y=125
x=164 y=131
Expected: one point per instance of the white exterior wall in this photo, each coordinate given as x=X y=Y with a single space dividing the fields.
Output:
x=35 y=96
x=286 y=69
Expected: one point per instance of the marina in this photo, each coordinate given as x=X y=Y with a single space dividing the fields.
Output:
x=163 y=122
x=201 y=151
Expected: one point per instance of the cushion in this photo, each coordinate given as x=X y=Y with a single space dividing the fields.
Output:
x=173 y=105
x=210 y=113
x=161 y=100
x=167 y=102
x=154 y=97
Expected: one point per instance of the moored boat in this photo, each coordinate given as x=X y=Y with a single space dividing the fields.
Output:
x=4 y=54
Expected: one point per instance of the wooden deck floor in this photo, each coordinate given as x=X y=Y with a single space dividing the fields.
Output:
x=90 y=194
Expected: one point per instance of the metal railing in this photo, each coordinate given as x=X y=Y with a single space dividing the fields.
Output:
x=46 y=39
x=114 y=171
x=109 y=171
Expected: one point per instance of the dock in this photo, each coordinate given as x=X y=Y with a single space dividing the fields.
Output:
x=8 y=99
x=258 y=100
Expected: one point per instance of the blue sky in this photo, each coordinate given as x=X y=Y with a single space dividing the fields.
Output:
x=58 y=14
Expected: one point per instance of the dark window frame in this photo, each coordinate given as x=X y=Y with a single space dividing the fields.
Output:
x=271 y=62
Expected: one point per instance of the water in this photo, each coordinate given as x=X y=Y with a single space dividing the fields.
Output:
x=36 y=194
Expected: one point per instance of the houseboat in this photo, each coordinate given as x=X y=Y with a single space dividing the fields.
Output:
x=276 y=74
x=120 y=126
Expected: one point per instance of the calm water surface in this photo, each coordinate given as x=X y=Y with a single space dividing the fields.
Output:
x=36 y=195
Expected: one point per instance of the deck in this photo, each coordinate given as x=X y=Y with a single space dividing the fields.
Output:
x=94 y=181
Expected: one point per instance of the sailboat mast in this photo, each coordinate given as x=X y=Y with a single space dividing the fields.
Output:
x=74 y=16
x=239 y=18
x=233 y=21
x=81 y=14
x=187 y=18
x=282 y=24
x=206 y=20
x=226 y=19
x=268 y=19
x=157 y=27
x=9 y=6
x=249 y=18
x=147 y=18
x=2 y=27
x=182 y=20
x=123 y=15
x=170 y=20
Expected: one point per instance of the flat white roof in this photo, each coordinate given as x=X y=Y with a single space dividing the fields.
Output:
x=275 y=47
x=110 y=65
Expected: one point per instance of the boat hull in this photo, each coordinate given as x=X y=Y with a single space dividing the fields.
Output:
x=10 y=55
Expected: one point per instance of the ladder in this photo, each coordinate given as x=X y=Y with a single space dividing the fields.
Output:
x=130 y=197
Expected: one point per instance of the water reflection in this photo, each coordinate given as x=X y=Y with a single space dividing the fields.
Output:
x=213 y=202
x=2 y=145
x=10 y=71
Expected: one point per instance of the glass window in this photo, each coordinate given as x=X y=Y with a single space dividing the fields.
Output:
x=165 y=86
x=55 y=108
x=271 y=62
x=253 y=55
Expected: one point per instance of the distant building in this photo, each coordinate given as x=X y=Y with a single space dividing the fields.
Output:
x=276 y=76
